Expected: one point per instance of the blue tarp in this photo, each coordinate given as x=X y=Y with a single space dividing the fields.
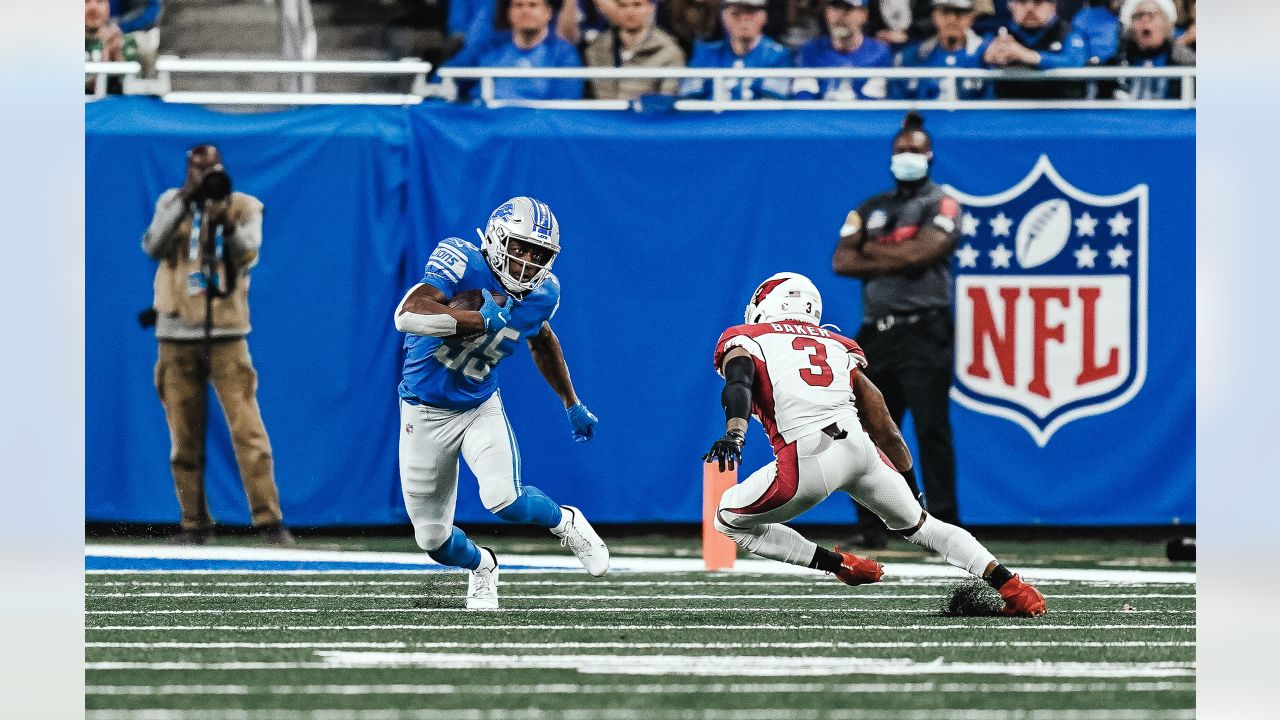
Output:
x=668 y=223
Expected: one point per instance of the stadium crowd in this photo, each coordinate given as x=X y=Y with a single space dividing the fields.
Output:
x=1035 y=34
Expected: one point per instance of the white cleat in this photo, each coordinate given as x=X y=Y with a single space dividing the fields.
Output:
x=578 y=535
x=482 y=591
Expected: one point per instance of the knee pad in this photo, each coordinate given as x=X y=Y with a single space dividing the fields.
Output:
x=432 y=535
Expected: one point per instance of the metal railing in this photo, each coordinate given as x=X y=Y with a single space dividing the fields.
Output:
x=722 y=81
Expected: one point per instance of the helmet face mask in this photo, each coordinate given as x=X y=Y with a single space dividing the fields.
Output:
x=785 y=296
x=516 y=231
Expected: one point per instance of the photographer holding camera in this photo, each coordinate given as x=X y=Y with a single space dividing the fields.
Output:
x=206 y=238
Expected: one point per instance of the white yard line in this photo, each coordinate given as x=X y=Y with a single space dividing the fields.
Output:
x=691 y=688
x=684 y=665
x=808 y=645
x=1015 y=626
x=610 y=713
x=842 y=593
x=818 y=582
x=620 y=564
x=440 y=611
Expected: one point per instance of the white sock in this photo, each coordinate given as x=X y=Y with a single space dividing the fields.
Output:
x=772 y=541
x=955 y=544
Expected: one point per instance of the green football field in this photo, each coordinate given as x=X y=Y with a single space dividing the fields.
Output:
x=388 y=645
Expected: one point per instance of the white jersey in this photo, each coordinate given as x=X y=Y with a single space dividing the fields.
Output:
x=804 y=376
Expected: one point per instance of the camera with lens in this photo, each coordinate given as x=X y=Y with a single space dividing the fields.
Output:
x=215 y=185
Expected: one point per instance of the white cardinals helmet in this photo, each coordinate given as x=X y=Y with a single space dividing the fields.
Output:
x=530 y=221
x=785 y=296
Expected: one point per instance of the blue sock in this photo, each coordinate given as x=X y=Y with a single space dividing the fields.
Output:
x=457 y=551
x=532 y=507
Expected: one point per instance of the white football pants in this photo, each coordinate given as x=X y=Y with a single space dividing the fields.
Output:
x=804 y=474
x=431 y=440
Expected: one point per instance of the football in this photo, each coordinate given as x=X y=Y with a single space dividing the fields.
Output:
x=1043 y=233
x=473 y=299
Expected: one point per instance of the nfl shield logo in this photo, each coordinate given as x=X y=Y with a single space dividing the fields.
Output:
x=1051 y=301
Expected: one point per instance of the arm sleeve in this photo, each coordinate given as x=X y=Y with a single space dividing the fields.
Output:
x=246 y=241
x=739 y=374
x=1073 y=54
x=697 y=88
x=947 y=218
x=139 y=15
x=159 y=236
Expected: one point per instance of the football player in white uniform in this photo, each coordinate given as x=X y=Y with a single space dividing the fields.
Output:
x=830 y=431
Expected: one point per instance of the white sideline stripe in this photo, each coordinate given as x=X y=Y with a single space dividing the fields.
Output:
x=638 y=689
x=1021 y=625
x=611 y=713
x=438 y=611
x=620 y=564
x=810 y=596
x=729 y=581
x=814 y=644
x=699 y=665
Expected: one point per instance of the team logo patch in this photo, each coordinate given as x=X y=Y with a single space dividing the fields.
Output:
x=1051 y=301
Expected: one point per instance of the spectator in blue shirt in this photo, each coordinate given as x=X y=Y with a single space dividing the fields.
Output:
x=744 y=46
x=531 y=45
x=956 y=45
x=1035 y=38
x=1098 y=23
x=844 y=46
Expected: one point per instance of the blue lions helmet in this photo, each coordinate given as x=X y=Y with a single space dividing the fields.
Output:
x=528 y=221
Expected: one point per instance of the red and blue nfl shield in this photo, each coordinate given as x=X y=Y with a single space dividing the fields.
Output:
x=1051 y=301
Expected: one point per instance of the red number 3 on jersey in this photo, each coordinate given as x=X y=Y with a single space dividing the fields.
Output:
x=817 y=359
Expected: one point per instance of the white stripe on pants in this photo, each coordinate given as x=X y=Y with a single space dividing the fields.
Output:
x=431 y=440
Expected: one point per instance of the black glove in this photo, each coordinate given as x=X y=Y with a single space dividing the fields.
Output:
x=727 y=450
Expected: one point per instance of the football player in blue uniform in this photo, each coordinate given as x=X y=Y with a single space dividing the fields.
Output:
x=449 y=400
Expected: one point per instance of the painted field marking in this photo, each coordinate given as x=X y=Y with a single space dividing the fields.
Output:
x=594 y=610
x=638 y=689
x=698 y=665
x=612 y=713
x=1019 y=626
x=764 y=596
x=815 y=644
x=713 y=580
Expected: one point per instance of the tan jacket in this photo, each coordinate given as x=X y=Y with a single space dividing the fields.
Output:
x=658 y=49
x=179 y=301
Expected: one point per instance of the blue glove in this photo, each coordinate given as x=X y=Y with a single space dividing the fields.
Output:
x=583 y=422
x=495 y=316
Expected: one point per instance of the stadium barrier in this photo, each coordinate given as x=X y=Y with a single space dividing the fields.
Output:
x=167 y=66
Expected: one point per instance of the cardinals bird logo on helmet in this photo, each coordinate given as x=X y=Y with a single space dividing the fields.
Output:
x=785 y=296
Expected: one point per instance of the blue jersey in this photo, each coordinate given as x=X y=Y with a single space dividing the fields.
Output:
x=550 y=53
x=819 y=52
x=460 y=373
x=720 y=54
x=930 y=53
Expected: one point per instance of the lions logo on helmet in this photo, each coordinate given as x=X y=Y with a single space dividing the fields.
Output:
x=530 y=221
x=785 y=296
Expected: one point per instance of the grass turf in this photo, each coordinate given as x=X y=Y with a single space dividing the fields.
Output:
x=633 y=645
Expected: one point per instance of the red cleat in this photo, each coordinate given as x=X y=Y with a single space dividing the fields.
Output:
x=856 y=570
x=1021 y=599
